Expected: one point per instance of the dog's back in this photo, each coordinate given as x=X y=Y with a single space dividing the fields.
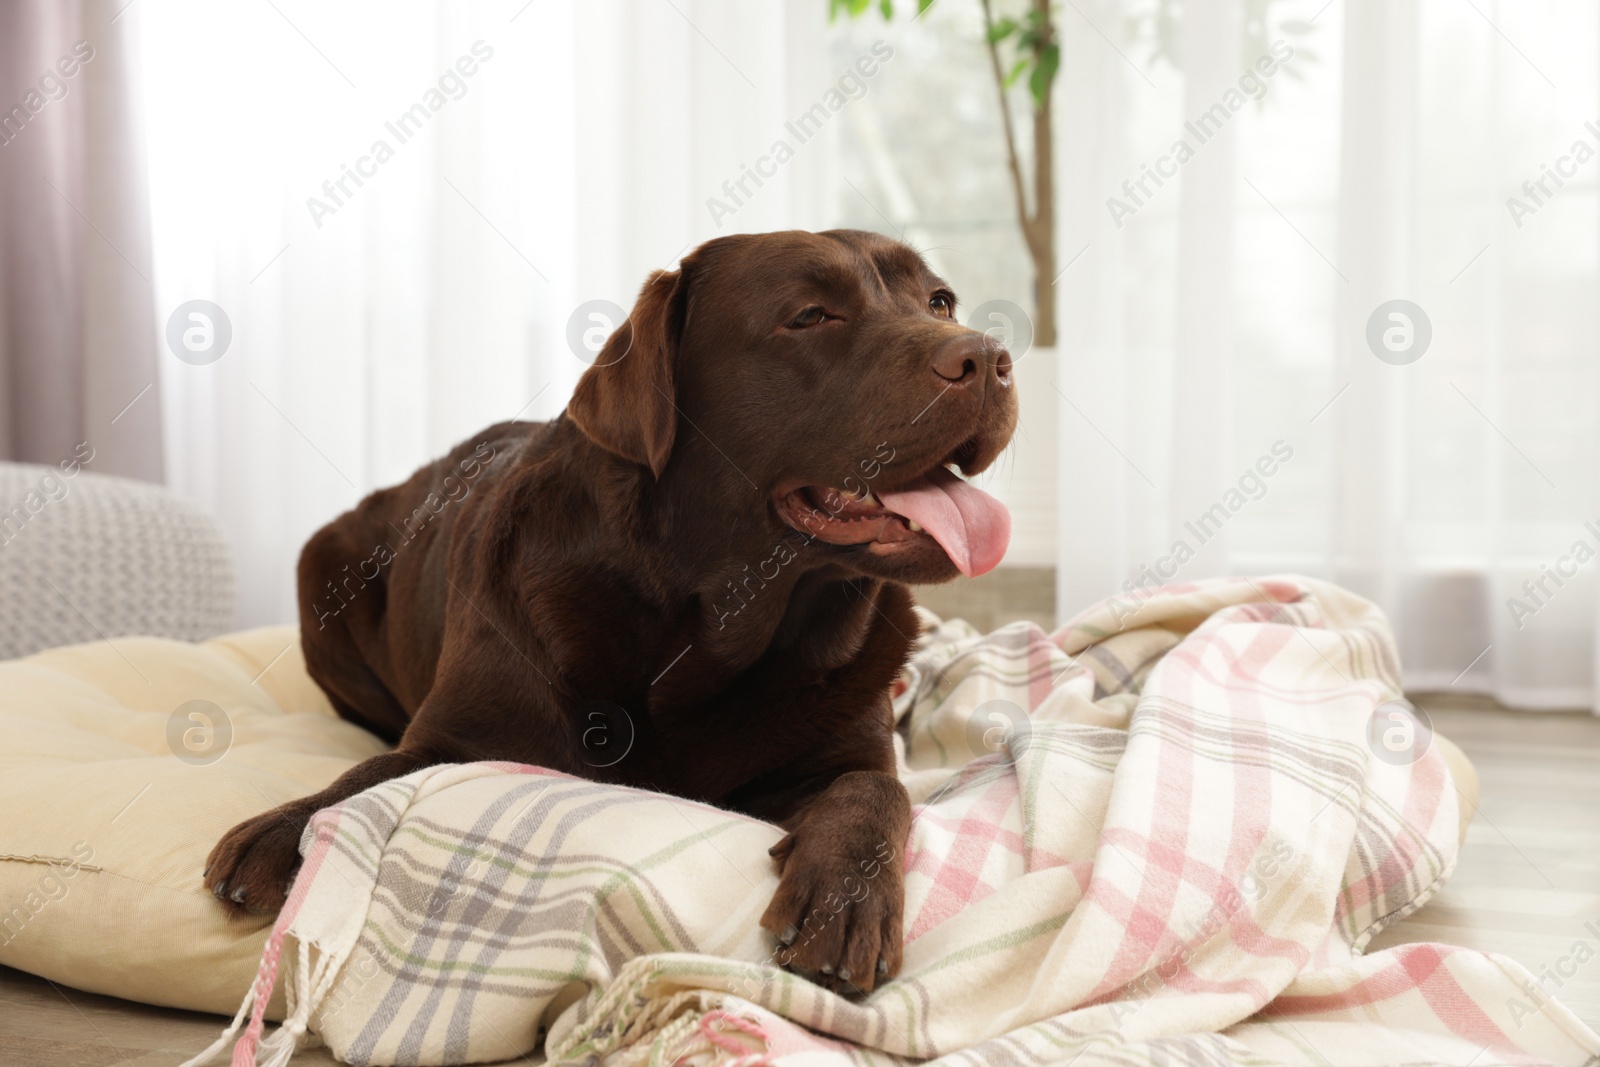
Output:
x=391 y=549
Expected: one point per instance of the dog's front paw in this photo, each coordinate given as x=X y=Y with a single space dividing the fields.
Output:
x=838 y=910
x=251 y=868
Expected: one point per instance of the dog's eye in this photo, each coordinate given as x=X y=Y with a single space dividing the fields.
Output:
x=942 y=304
x=809 y=317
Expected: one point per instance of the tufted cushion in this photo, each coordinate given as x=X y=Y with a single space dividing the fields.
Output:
x=86 y=556
x=113 y=793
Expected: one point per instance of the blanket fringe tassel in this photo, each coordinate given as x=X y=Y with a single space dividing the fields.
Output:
x=678 y=1030
x=310 y=984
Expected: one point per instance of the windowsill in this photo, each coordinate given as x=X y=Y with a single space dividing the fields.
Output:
x=1005 y=594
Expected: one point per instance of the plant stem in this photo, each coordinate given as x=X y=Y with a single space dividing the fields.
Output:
x=1038 y=227
x=1005 y=117
x=1042 y=235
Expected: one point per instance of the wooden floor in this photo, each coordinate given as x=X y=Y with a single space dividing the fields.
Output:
x=1527 y=882
x=1528 y=879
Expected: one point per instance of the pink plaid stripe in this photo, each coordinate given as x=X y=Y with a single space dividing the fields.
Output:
x=958 y=874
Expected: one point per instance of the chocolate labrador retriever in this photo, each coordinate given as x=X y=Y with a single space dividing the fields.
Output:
x=689 y=581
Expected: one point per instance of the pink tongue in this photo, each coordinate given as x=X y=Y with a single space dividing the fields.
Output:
x=971 y=526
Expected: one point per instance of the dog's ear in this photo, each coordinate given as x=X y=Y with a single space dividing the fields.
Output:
x=627 y=402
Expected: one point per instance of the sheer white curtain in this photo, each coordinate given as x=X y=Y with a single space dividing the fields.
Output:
x=1216 y=350
x=539 y=156
x=1221 y=391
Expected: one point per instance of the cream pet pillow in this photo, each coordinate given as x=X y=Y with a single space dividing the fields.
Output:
x=121 y=763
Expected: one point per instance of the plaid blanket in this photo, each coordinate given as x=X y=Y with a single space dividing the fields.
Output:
x=1163 y=834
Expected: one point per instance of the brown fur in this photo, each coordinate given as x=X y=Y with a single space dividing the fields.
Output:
x=613 y=593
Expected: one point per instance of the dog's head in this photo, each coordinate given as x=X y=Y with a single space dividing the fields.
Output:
x=822 y=382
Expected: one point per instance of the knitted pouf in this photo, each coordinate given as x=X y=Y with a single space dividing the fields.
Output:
x=86 y=556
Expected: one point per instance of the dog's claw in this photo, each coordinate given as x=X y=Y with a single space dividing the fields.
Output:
x=883 y=968
x=844 y=974
x=789 y=934
x=251 y=866
x=827 y=968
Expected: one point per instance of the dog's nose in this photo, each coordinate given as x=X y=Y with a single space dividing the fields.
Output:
x=957 y=360
x=999 y=358
x=960 y=360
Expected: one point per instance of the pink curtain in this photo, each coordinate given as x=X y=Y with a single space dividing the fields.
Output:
x=78 y=340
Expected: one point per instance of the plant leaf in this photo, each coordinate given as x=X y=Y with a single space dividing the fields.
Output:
x=1002 y=29
x=1044 y=74
x=1014 y=73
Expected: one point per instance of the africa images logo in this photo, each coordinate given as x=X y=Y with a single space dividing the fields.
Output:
x=1253 y=84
